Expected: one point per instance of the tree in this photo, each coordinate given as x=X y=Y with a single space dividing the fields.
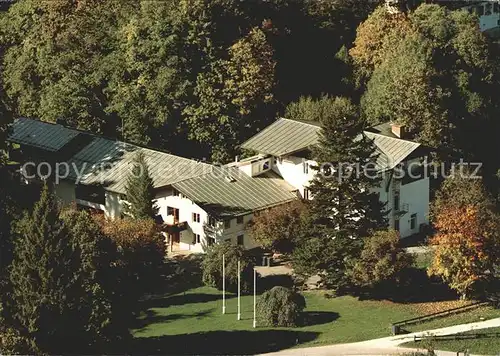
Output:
x=139 y=260
x=448 y=90
x=212 y=267
x=343 y=208
x=280 y=307
x=467 y=235
x=278 y=228
x=149 y=82
x=56 y=63
x=233 y=96
x=58 y=300
x=140 y=190
x=382 y=260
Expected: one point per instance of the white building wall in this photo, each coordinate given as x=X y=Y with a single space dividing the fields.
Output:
x=292 y=170
x=488 y=12
x=65 y=191
x=414 y=196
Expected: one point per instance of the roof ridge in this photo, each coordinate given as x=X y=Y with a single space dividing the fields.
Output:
x=301 y=122
x=392 y=138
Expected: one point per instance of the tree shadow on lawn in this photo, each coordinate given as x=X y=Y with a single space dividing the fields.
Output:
x=415 y=286
x=182 y=299
x=318 y=317
x=152 y=317
x=221 y=342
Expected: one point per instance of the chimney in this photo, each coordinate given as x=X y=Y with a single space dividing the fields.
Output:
x=398 y=130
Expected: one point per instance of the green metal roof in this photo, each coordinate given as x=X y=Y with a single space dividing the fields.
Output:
x=109 y=163
x=96 y=160
x=39 y=134
x=227 y=191
x=284 y=137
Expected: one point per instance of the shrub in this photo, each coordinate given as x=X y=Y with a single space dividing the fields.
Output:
x=140 y=256
x=280 y=306
x=212 y=267
x=382 y=260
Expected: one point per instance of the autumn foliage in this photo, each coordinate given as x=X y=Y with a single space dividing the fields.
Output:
x=466 y=241
x=279 y=227
x=463 y=247
x=141 y=252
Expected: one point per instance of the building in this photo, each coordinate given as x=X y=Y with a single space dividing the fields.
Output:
x=199 y=203
x=284 y=148
x=487 y=11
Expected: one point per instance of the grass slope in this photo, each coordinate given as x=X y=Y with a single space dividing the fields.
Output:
x=488 y=344
x=192 y=323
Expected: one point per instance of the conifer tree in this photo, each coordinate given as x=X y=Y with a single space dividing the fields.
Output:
x=140 y=190
x=343 y=209
x=57 y=300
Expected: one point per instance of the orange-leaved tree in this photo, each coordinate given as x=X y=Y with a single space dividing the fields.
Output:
x=466 y=248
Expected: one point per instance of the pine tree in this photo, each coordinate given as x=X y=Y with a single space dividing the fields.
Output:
x=140 y=190
x=342 y=207
x=57 y=301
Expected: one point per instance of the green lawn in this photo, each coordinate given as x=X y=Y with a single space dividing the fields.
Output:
x=481 y=313
x=489 y=344
x=192 y=323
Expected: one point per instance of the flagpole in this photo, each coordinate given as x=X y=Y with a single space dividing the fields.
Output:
x=239 y=293
x=254 y=297
x=223 y=285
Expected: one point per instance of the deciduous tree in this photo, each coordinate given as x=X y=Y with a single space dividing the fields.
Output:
x=467 y=235
x=212 y=267
x=382 y=260
x=280 y=227
x=433 y=71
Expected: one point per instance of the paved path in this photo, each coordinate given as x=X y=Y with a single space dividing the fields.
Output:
x=386 y=345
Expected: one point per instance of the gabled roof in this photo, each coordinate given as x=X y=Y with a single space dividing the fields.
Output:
x=43 y=135
x=286 y=136
x=220 y=195
x=109 y=162
x=101 y=161
x=392 y=150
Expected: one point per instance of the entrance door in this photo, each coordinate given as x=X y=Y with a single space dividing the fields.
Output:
x=175 y=239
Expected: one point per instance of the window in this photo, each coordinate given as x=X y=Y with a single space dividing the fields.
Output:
x=413 y=221
x=396 y=225
x=174 y=212
x=196 y=217
x=265 y=166
x=487 y=9
x=240 y=240
x=306 y=167
x=495 y=7
x=197 y=238
x=211 y=221
x=239 y=219
x=227 y=224
x=396 y=201
x=306 y=194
